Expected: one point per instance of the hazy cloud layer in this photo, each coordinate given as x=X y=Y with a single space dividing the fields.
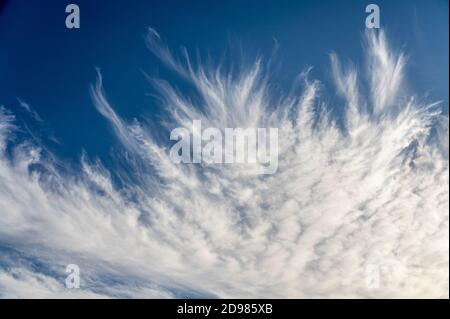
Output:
x=354 y=210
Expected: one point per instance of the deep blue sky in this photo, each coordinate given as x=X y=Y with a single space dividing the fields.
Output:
x=51 y=67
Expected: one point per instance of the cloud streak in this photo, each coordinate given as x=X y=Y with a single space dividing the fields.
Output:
x=354 y=210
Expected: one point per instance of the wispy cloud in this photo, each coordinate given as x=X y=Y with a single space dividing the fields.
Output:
x=347 y=203
x=28 y=108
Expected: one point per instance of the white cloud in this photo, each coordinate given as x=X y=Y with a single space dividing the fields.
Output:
x=346 y=208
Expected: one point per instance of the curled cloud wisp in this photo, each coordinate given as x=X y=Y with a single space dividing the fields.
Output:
x=354 y=210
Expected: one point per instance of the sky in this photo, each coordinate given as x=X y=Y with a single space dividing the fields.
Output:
x=85 y=177
x=51 y=67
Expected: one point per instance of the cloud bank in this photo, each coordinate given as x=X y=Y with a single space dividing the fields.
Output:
x=358 y=207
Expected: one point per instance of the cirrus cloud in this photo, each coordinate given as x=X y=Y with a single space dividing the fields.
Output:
x=354 y=210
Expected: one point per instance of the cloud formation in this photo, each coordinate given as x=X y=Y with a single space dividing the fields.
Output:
x=358 y=209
